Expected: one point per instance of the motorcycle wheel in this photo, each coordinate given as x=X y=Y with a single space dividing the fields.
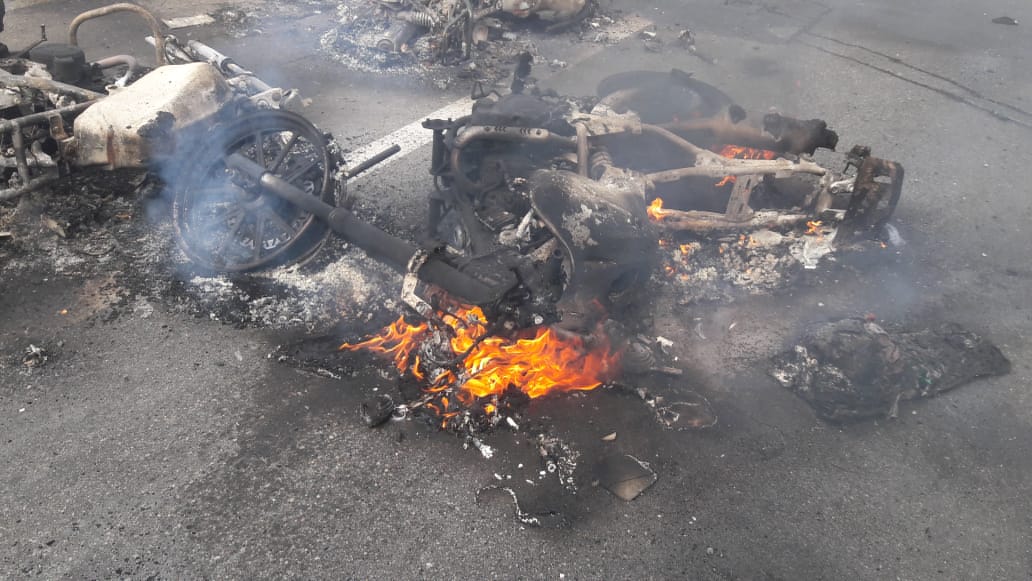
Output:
x=225 y=221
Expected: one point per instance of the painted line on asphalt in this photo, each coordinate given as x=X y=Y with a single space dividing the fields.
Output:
x=413 y=136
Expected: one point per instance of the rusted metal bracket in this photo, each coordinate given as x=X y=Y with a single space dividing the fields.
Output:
x=411 y=282
x=876 y=192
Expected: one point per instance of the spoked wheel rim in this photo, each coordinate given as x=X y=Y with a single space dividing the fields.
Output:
x=225 y=221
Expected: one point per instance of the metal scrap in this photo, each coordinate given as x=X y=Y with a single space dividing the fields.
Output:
x=378 y=410
x=34 y=356
x=625 y=476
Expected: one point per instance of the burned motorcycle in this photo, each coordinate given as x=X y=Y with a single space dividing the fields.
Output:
x=439 y=29
x=64 y=114
x=541 y=210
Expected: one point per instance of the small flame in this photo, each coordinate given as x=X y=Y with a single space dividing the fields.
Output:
x=813 y=228
x=740 y=152
x=656 y=211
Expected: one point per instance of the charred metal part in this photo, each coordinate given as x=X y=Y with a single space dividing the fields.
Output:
x=222 y=217
x=411 y=281
x=605 y=236
x=715 y=167
x=372 y=162
x=47 y=85
x=376 y=242
x=378 y=410
x=875 y=194
x=138 y=124
x=708 y=164
x=132 y=65
x=152 y=21
x=548 y=9
x=397 y=35
x=141 y=122
x=451 y=27
x=25 y=51
x=798 y=136
x=64 y=62
x=498 y=151
x=625 y=476
x=738 y=208
x=14 y=128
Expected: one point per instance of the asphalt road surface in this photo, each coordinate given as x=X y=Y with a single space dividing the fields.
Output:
x=162 y=443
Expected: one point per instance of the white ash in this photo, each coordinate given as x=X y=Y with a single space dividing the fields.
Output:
x=755 y=263
x=352 y=287
x=559 y=458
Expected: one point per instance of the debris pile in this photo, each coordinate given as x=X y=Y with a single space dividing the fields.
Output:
x=727 y=267
x=853 y=369
x=415 y=38
x=472 y=374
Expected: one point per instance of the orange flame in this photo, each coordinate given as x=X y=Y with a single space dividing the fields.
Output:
x=537 y=361
x=813 y=228
x=656 y=211
x=740 y=152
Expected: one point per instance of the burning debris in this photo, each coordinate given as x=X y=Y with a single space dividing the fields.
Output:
x=854 y=369
x=475 y=377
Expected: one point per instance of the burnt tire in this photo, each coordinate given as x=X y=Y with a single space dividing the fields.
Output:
x=227 y=222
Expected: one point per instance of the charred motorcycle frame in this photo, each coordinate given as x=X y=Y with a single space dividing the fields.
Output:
x=540 y=211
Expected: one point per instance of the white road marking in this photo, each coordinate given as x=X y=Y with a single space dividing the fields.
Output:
x=412 y=136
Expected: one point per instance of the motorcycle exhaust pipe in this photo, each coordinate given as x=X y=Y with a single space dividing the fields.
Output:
x=377 y=243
